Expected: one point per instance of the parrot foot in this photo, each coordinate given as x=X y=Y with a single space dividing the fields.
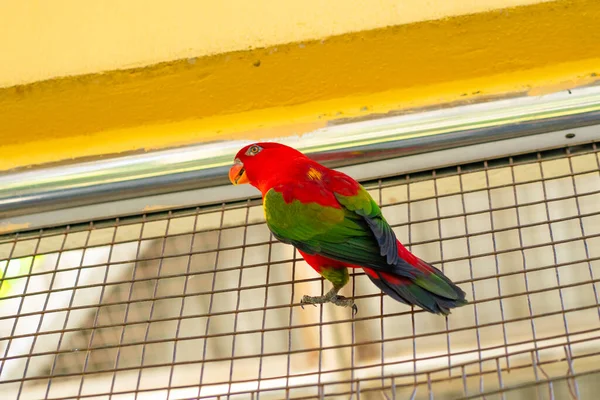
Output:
x=330 y=297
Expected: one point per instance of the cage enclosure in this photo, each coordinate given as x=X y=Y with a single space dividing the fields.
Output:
x=147 y=277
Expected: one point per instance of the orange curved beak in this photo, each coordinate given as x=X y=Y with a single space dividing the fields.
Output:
x=237 y=173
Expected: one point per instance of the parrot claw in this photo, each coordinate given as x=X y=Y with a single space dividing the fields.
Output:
x=309 y=300
x=345 y=302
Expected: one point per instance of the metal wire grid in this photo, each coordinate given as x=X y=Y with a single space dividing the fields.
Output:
x=204 y=303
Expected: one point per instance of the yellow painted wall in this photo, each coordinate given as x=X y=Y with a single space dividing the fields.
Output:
x=282 y=88
x=43 y=39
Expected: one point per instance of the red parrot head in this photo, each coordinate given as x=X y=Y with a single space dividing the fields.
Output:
x=259 y=163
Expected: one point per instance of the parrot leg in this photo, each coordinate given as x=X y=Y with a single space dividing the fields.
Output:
x=339 y=277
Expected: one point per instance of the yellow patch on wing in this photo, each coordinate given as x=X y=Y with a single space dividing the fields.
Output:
x=314 y=174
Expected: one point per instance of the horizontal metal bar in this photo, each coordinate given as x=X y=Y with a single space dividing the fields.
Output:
x=85 y=226
x=152 y=207
x=206 y=165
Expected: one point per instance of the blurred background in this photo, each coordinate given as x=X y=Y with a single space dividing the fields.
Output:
x=130 y=268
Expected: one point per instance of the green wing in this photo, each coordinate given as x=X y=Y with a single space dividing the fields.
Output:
x=355 y=233
x=363 y=204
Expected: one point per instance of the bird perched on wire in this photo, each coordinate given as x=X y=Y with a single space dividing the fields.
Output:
x=335 y=225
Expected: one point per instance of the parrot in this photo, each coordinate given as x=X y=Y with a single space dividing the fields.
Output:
x=335 y=225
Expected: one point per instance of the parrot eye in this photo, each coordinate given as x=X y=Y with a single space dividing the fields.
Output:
x=253 y=150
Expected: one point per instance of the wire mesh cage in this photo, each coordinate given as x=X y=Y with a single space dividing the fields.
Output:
x=204 y=303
